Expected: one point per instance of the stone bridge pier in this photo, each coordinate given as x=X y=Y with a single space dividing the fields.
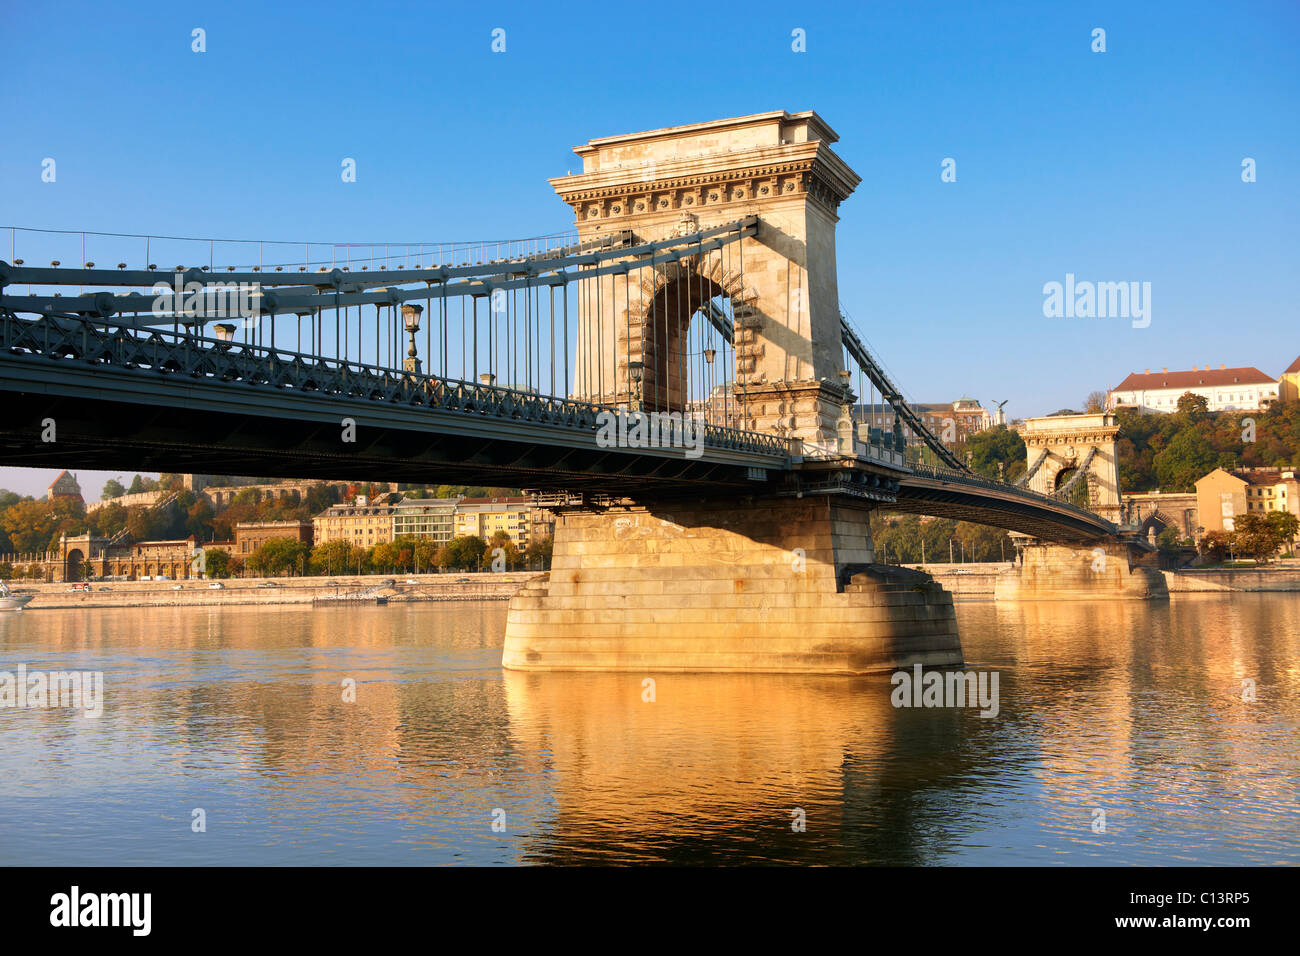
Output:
x=747 y=584
x=1113 y=569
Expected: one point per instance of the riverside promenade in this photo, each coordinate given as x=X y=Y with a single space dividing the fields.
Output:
x=467 y=586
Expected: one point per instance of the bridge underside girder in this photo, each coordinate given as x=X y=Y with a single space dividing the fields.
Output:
x=114 y=435
x=981 y=507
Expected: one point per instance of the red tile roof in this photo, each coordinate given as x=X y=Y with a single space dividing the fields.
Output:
x=1138 y=381
x=1293 y=367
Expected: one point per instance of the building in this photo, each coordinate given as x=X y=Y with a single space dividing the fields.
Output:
x=251 y=535
x=121 y=560
x=65 y=488
x=484 y=517
x=950 y=421
x=364 y=523
x=1223 y=495
x=1225 y=389
x=1288 y=383
x=432 y=518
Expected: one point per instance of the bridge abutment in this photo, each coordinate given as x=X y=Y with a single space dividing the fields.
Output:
x=1104 y=571
x=781 y=585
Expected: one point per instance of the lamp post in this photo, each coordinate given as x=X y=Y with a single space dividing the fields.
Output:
x=844 y=426
x=411 y=322
x=635 y=370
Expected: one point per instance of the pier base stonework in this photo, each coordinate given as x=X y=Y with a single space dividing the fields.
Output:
x=780 y=585
x=1051 y=572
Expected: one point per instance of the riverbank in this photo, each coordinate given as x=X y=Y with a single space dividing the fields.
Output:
x=407 y=588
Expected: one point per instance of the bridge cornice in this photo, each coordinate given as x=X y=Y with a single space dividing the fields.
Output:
x=700 y=183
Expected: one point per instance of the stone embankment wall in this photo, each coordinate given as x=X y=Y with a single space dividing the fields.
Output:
x=970 y=580
x=428 y=587
x=1237 y=579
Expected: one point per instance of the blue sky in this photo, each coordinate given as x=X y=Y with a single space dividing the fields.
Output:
x=1115 y=166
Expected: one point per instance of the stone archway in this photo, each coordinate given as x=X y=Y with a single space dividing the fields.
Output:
x=74 y=565
x=663 y=314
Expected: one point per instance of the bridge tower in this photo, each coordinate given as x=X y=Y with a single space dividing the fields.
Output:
x=1076 y=448
x=782 y=284
x=1075 y=457
x=781 y=577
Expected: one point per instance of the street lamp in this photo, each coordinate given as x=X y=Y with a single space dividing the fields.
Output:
x=635 y=370
x=224 y=331
x=844 y=428
x=411 y=322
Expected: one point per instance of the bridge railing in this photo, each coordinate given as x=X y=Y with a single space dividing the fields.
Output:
x=967 y=478
x=168 y=352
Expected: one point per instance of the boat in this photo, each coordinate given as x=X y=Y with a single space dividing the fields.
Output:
x=10 y=601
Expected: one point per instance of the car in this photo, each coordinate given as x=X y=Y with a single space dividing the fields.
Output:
x=387 y=583
x=268 y=584
x=163 y=577
x=458 y=580
x=410 y=581
x=106 y=588
x=216 y=586
x=962 y=571
x=78 y=587
x=178 y=587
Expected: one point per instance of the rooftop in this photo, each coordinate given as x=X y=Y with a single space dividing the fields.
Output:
x=1148 y=380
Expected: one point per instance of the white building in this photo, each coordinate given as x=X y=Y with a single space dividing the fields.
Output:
x=1225 y=389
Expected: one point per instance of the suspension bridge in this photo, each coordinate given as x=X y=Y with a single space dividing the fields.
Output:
x=697 y=294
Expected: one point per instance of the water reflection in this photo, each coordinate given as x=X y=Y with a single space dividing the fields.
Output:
x=1132 y=709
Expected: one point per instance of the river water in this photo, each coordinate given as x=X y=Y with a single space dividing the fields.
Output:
x=1129 y=710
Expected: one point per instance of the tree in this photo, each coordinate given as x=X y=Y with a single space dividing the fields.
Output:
x=112 y=489
x=30 y=525
x=278 y=556
x=1285 y=526
x=217 y=563
x=997 y=452
x=539 y=552
x=336 y=557
x=462 y=553
x=1187 y=457
x=503 y=547
x=1216 y=545
x=141 y=484
x=1169 y=540
x=1193 y=405
x=1254 y=537
x=198 y=520
x=1095 y=402
x=983 y=542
